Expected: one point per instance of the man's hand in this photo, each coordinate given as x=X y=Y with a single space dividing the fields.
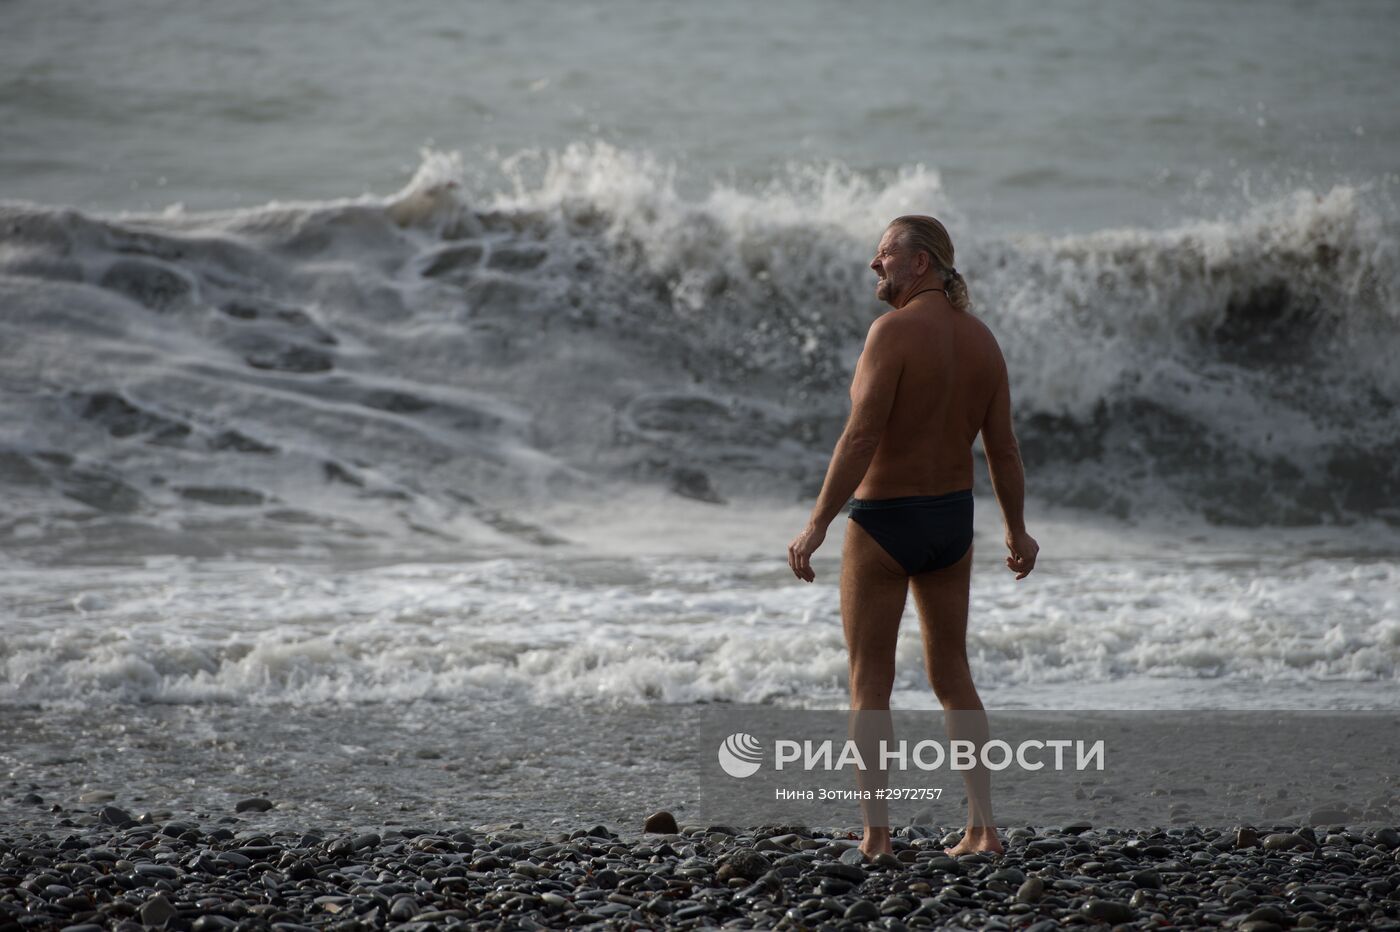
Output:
x=1023 y=552
x=801 y=549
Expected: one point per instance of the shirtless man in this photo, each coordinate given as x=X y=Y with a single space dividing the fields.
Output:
x=930 y=379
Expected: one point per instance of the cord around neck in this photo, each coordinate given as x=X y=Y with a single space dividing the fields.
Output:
x=923 y=291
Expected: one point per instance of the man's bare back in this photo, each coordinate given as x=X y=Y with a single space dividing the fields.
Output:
x=950 y=370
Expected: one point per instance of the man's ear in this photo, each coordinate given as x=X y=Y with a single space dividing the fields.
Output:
x=922 y=262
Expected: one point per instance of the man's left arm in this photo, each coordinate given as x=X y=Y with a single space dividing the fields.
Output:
x=872 y=399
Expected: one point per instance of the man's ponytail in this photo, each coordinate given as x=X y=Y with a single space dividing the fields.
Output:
x=956 y=288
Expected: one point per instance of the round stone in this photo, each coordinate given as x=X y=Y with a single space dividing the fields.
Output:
x=253 y=804
x=862 y=911
x=1108 y=911
x=1031 y=890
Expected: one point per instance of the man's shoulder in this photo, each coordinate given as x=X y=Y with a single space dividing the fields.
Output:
x=884 y=326
x=897 y=323
x=888 y=334
x=893 y=321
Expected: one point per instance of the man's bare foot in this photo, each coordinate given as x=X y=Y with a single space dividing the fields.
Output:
x=976 y=840
x=876 y=841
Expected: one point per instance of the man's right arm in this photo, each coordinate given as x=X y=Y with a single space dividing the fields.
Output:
x=1008 y=476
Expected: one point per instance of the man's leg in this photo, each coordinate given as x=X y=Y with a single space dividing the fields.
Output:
x=941 y=597
x=873 y=591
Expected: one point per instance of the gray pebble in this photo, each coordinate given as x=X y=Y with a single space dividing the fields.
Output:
x=896 y=906
x=1268 y=914
x=301 y=870
x=1011 y=875
x=834 y=886
x=1281 y=841
x=114 y=815
x=163 y=871
x=1108 y=911
x=861 y=910
x=841 y=870
x=1043 y=846
x=1148 y=879
x=853 y=856
x=157 y=911
x=1259 y=925
x=1031 y=890
x=745 y=863
x=253 y=804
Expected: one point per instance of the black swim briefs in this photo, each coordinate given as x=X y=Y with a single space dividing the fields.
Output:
x=922 y=532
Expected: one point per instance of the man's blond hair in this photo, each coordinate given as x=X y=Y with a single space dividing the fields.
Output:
x=928 y=234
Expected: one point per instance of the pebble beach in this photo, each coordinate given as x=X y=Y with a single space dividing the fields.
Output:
x=98 y=866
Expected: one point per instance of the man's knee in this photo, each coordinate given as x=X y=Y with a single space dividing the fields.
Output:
x=871 y=680
x=949 y=675
x=866 y=675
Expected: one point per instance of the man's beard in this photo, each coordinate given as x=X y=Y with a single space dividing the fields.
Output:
x=884 y=290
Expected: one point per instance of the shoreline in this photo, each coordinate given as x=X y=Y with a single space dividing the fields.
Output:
x=102 y=869
x=368 y=768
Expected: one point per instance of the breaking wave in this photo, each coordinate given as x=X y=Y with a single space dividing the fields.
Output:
x=430 y=363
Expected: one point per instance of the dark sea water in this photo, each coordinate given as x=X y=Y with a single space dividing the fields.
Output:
x=432 y=356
